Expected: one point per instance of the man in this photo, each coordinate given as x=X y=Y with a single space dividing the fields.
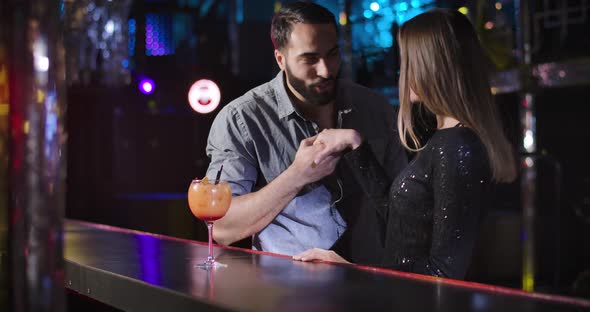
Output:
x=264 y=140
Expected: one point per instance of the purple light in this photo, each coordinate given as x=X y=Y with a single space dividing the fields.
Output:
x=148 y=248
x=146 y=86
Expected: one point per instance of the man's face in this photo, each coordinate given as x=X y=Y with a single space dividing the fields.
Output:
x=311 y=61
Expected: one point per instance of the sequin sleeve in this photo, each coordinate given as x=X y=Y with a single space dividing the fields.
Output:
x=460 y=192
x=370 y=176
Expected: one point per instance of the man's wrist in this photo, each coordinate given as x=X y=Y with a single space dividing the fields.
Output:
x=295 y=181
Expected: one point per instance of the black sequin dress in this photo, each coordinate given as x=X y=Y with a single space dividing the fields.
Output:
x=429 y=217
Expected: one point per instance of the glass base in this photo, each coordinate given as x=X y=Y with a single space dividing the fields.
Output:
x=210 y=264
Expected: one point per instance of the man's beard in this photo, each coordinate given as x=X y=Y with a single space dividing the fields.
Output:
x=308 y=92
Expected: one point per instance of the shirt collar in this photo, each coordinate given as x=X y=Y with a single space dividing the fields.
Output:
x=285 y=106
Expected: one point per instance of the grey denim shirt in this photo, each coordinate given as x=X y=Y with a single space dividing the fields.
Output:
x=256 y=137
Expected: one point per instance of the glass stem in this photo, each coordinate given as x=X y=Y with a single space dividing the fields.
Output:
x=210 y=259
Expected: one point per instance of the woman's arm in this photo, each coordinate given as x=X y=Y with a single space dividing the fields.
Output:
x=371 y=177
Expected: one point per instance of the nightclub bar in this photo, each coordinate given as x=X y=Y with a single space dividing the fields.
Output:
x=322 y=155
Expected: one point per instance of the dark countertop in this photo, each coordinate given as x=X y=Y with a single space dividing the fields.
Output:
x=137 y=271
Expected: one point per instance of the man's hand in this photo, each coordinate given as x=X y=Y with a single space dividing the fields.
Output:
x=304 y=166
x=318 y=254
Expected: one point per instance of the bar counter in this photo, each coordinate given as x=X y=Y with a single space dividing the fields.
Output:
x=138 y=271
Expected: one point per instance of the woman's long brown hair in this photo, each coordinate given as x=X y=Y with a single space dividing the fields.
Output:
x=443 y=62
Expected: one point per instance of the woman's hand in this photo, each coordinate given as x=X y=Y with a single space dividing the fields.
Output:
x=335 y=141
x=316 y=254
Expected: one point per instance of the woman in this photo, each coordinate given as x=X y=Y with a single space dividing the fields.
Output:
x=431 y=214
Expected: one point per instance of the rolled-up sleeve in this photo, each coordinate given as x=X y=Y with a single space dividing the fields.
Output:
x=229 y=144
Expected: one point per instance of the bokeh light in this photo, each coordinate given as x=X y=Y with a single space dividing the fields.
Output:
x=147 y=86
x=374 y=6
x=204 y=96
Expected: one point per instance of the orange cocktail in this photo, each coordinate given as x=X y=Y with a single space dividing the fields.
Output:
x=209 y=202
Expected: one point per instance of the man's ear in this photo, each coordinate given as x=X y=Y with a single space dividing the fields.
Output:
x=280 y=58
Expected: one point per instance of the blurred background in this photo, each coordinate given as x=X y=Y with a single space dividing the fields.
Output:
x=134 y=142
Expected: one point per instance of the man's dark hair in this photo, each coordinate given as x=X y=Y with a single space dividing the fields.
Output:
x=297 y=12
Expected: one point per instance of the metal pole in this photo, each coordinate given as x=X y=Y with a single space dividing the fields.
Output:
x=33 y=200
x=4 y=166
x=529 y=144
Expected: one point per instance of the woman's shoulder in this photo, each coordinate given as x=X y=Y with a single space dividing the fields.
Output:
x=455 y=135
x=456 y=139
x=459 y=150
